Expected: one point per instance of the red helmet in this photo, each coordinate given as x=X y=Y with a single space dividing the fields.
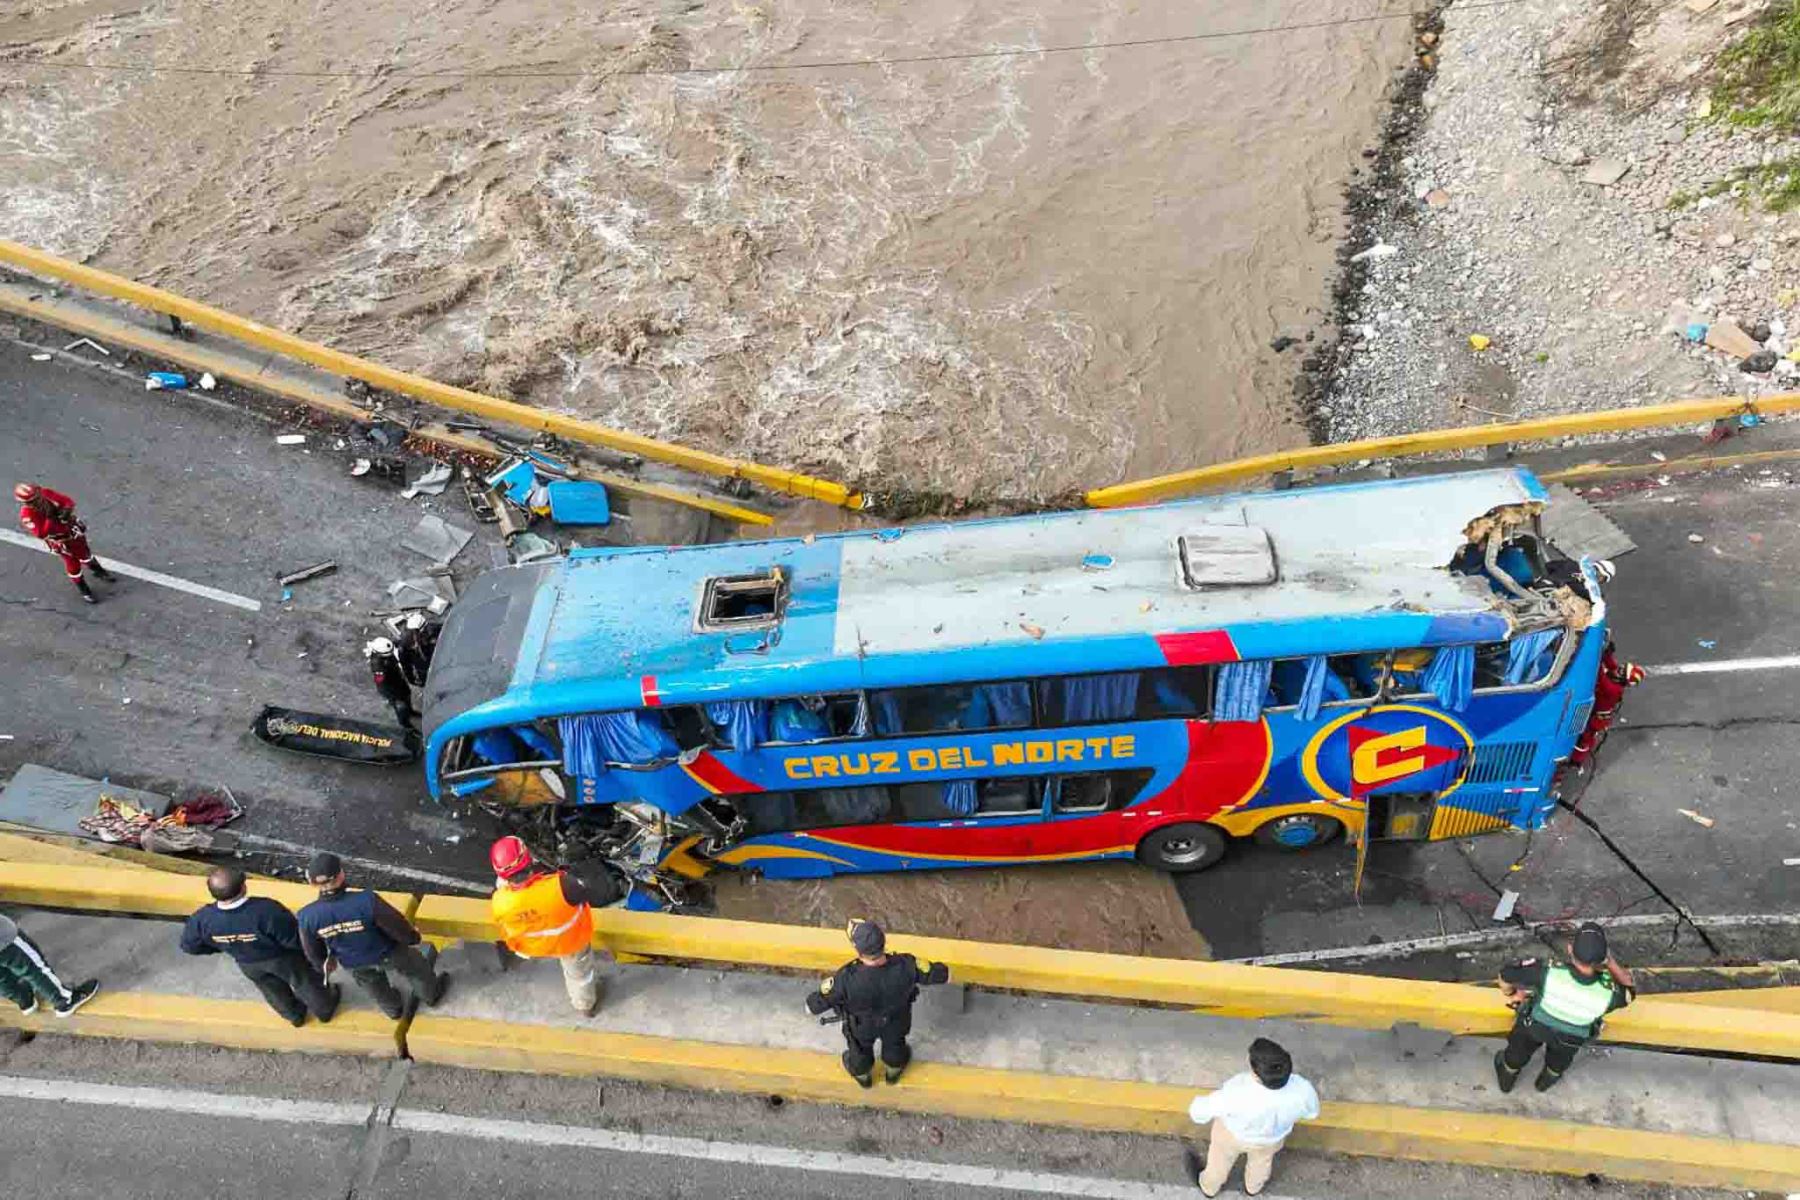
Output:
x=509 y=857
x=25 y=493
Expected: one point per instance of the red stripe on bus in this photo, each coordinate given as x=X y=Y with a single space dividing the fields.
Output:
x=718 y=778
x=647 y=686
x=1193 y=649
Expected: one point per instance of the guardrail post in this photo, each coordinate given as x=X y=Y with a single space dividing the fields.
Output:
x=1281 y=481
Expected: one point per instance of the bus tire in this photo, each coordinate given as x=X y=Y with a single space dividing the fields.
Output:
x=1182 y=848
x=1298 y=831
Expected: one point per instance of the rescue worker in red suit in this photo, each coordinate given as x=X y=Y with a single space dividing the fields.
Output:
x=1609 y=692
x=51 y=516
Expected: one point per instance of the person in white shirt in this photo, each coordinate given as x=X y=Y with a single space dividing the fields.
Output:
x=1251 y=1115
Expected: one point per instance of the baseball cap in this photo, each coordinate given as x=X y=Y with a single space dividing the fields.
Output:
x=324 y=867
x=867 y=937
x=1590 y=945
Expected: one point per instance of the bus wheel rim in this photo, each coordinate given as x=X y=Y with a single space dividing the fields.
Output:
x=1296 y=831
x=1184 y=849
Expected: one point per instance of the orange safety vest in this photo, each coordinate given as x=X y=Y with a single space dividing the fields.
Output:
x=537 y=922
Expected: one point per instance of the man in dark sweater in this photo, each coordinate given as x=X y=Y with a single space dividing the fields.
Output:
x=367 y=936
x=263 y=938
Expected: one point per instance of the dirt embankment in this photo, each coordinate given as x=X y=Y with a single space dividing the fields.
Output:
x=1582 y=195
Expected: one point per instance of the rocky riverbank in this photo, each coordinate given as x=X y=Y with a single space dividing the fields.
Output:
x=1569 y=226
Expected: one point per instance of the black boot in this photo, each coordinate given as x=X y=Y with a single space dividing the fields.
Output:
x=1503 y=1073
x=1546 y=1079
x=100 y=572
x=866 y=1079
x=87 y=593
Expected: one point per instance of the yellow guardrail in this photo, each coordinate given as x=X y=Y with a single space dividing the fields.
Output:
x=205 y=316
x=1216 y=989
x=1653 y=416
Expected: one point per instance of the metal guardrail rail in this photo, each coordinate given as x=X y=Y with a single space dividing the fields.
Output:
x=205 y=316
x=1654 y=416
x=1218 y=989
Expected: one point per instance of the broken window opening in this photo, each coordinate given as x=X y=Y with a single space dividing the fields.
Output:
x=732 y=602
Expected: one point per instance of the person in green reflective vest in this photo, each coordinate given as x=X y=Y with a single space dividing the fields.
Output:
x=1560 y=1006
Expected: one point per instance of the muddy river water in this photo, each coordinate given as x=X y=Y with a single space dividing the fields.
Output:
x=1010 y=275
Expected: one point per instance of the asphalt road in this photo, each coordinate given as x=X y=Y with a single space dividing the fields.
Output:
x=81 y=1118
x=201 y=491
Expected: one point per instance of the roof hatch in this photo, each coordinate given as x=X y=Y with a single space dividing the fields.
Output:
x=1217 y=556
x=734 y=602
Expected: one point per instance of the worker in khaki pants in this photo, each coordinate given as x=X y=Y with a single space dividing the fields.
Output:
x=549 y=914
x=1251 y=1115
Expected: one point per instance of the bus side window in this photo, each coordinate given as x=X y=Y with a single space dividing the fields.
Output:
x=822 y=808
x=952 y=706
x=1407 y=672
x=1175 y=692
x=1490 y=665
x=1099 y=792
x=1358 y=673
x=1009 y=797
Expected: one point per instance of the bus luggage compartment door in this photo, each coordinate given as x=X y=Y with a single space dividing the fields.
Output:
x=1400 y=816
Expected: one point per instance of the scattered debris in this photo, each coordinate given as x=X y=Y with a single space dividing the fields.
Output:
x=78 y=343
x=482 y=503
x=422 y=592
x=41 y=357
x=1479 y=342
x=1035 y=631
x=1096 y=562
x=529 y=547
x=1604 y=172
x=1707 y=644
x=1283 y=342
x=1760 y=363
x=1437 y=198
x=436 y=539
x=290 y=439
x=577 y=502
x=1790 y=862
x=1725 y=335
x=158 y=381
x=1659 y=456
x=1695 y=538
x=432 y=483
x=386 y=434
x=207 y=382
x=313 y=572
x=1378 y=251
x=1695 y=817
x=360 y=467
x=1509 y=900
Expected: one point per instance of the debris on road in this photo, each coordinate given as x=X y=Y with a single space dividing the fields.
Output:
x=435 y=592
x=529 y=547
x=577 y=502
x=305 y=573
x=41 y=357
x=432 y=483
x=360 y=467
x=1695 y=538
x=290 y=439
x=1695 y=817
x=1479 y=342
x=436 y=539
x=386 y=434
x=1378 y=251
x=1727 y=336
x=1760 y=363
x=207 y=382
x=1509 y=900
x=78 y=343
x=158 y=381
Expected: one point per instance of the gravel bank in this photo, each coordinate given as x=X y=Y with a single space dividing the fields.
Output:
x=1500 y=223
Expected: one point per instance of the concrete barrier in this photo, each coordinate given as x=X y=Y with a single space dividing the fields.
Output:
x=1437 y=441
x=1215 y=989
x=244 y=1024
x=251 y=333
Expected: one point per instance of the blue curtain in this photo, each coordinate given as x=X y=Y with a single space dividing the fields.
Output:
x=513 y=744
x=635 y=737
x=996 y=706
x=1451 y=676
x=795 y=722
x=1530 y=656
x=959 y=797
x=1241 y=690
x=884 y=712
x=1312 y=690
x=1091 y=698
x=745 y=723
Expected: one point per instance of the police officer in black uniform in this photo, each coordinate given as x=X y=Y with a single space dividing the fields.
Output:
x=1560 y=1007
x=368 y=937
x=262 y=937
x=874 y=995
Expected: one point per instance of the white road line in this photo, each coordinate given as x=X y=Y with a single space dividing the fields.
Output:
x=174 y=1100
x=819 y=1161
x=147 y=575
x=1726 y=665
x=308 y=1112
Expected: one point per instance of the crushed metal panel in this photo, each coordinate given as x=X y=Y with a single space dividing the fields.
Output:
x=1577 y=528
x=1227 y=556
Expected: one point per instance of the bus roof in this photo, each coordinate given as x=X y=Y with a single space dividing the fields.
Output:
x=1355 y=567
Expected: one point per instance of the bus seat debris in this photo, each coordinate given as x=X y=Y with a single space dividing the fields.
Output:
x=577 y=502
x=436 y=539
